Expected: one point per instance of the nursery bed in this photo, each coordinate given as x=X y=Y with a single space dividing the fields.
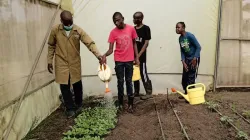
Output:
x=199 y=122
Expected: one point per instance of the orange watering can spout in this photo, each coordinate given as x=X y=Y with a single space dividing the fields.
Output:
x=107 y=90
x=183 y=95
x=195 y=93
x=173 y=90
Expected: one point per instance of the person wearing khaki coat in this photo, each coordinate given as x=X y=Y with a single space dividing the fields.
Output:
x=64 y=44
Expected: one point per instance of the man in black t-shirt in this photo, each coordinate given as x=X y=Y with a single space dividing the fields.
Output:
x=144 y=35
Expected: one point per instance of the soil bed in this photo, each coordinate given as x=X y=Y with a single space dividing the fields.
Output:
x=199 y=122
x=237 y=101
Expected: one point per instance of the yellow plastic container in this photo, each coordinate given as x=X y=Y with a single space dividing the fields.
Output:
x=194 y=95
x=136 y=73
x=197 y=94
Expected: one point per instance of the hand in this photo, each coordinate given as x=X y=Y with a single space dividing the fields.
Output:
x=103 y=60
x=194 y=62
x=137 y=62
x=100 y=59
x=50 y=68
x=185 y=66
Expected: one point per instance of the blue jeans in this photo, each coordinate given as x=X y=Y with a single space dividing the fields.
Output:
x=122 y=68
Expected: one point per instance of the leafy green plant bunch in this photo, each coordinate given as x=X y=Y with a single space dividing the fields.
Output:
x=93 y=123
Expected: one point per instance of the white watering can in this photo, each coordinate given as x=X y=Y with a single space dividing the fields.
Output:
x=105 y=74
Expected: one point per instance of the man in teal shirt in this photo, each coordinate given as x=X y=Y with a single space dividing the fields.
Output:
x=190 y=55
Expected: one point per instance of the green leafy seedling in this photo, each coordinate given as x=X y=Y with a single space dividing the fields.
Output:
x=226 y=120
x=93 y=123
x=237 y=124
x=233 y=106
x=212 y=105
x=246 y=114
x=241 y=136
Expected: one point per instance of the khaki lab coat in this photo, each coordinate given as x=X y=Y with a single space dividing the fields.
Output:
x=66 y=50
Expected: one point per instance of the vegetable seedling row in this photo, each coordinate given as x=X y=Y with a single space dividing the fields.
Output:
x=228 y=120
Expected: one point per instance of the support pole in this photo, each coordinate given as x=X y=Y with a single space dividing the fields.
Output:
x=217 y=46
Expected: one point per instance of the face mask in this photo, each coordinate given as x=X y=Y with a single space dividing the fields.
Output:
x=68 y=28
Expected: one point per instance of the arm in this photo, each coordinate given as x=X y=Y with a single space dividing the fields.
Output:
x=134 y=36
x=135 y=49
x=147 y=38
x=111 y=41
x=90 y=44
x=143 y=48
x=197 y=45
x=182 y=53
x=51 y=50
x=51 y=47
x=110 y=50
x=183 y=59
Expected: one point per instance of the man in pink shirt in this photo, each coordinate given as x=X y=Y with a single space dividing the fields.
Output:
x=125 y=55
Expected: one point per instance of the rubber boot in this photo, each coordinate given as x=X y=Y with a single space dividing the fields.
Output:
x=149 y=90
x=136 y=94
x=131 y=104
x=137 y=89
x=120 y=104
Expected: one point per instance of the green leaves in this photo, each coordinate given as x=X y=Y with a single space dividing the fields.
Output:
x=241 y=136
x=246 y=113
x=212 y=105
x=226 y=120
x=92 y=124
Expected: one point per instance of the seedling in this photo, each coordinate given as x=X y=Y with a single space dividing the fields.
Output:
x=212 y=106
x=226 y=120
x=246 y=113
x=233 y=107
x=237 y=124
x=83 y=138
x=241 y=136
x=93 y=123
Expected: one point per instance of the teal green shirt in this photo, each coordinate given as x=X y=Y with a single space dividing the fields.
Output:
x=190 y=47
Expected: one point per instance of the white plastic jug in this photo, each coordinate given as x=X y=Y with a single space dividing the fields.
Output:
x=104 y=73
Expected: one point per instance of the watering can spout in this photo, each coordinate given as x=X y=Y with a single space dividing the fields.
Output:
x=183 y=95
x=107 y=90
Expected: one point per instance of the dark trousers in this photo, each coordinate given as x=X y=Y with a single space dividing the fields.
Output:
x=145 y=80
x=121 y=69
x=189 y=77
x=70 y=104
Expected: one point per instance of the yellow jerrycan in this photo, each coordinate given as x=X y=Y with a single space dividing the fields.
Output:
x=195 y=95
x=136 y=73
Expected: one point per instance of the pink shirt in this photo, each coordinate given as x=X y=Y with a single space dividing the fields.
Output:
x=123 y=38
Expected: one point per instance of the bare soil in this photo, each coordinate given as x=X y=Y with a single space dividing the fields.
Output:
x=198 y=121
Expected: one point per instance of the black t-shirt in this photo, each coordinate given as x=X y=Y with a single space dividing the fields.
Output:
x=143 y=34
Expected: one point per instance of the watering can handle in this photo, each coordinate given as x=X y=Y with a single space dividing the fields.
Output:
x=198 y=84
x=103 y=65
